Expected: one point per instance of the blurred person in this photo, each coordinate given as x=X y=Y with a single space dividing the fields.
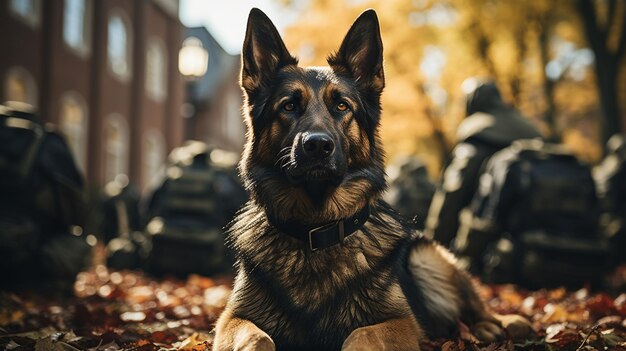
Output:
x=196 y=197
x=410 y=190
x=120 y=208
x=120 y=223
x=534 y=220
x=490 y=125
x=610 y=177
x=41 y=204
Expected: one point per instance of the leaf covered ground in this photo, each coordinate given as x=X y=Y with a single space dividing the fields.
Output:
x=128 y=310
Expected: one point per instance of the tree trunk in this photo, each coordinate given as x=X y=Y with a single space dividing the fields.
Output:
x=606 y=63
x=607 y=73
x=518 y=72
x=548 y=87
x=444 y=149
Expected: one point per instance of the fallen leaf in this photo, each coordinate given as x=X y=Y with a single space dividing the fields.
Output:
x=554 y=313
x=49 y=344
x=450 y=346
x=133 y=316
x=196 y=342
x=601 y=305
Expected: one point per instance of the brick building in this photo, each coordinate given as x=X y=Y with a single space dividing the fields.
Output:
x=105 y=72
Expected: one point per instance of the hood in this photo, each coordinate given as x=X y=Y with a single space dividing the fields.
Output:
x=501 y=127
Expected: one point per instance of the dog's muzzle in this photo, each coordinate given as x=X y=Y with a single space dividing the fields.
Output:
x=317 y=146
x=314 y=159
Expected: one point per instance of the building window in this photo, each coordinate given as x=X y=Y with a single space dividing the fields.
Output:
x=154 y=155
x=27 y=10
x=19 y=85
x=73 y=123
x=156 y=69
x=75 y=25
x=119 y=45
x=116 y=147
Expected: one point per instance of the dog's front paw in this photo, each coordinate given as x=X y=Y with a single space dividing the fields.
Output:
x=496 y=328
x=518 y=327
x=488 y=331
x=254 y=342
x=363 y=339
x=377 y=337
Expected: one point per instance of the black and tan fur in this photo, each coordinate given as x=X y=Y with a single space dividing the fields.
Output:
x=384 y=287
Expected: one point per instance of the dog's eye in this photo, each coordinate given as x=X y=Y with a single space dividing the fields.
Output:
x=342 y=106
x=289 y=106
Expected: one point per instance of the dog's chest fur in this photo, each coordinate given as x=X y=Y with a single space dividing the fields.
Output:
x=314 y=300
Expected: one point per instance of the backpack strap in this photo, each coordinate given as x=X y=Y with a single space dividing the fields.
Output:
x=28 y=159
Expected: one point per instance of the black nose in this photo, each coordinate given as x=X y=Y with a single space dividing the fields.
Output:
x=318 y=145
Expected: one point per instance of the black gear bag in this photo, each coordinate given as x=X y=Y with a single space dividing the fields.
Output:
x=534 y=219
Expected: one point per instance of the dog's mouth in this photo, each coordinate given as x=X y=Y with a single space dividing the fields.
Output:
x=318 y=174
x=314 y=174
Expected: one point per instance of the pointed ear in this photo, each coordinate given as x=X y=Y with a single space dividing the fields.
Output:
x=361 y=53
x=264 y=52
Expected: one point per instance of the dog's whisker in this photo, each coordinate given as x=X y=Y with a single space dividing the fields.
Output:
x=280 y=160
x=290 y=165
x=283 y=154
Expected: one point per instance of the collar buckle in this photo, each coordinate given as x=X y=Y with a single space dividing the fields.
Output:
x=324 y=227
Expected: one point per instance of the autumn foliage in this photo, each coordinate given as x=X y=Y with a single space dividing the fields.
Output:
x=130 y=311
x=537 y=51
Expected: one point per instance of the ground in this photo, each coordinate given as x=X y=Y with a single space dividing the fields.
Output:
x=127 y=310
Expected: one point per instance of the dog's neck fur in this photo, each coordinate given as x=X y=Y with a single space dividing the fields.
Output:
x=252 y=235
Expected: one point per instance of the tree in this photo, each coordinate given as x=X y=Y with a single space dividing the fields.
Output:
x=509 y=41
x=602 y=22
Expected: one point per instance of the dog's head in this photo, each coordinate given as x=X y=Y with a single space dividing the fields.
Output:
x=313 y=151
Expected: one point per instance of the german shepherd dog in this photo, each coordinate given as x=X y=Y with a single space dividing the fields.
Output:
x=323 y=263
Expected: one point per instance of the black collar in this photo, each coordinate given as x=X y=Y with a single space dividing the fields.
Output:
x=326 y=235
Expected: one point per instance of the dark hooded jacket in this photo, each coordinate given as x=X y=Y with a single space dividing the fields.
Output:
x=490 y=126
x=610 y=177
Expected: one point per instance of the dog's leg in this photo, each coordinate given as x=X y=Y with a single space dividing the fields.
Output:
x=236 y=334
x=489 y=326
x=448 y=294
x=486 y=325
x=396 y=334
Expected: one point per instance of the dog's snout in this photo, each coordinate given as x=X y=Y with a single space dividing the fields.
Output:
x=318 y=145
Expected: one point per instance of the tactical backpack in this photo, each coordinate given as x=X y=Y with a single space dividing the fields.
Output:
x=610 y=177
x=534 y=219
x=196 y=199
x=40 y=199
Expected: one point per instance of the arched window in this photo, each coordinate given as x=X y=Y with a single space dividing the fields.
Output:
x=154 y=154
x=27 y=10
x=116 y=147
x=156 y=69
x=119 y=45
x=73 y=123
x=19 y=85
x=76 y=16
